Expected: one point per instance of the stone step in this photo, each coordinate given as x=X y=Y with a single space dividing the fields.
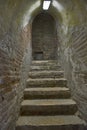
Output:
x=46 y=74
x=47 y=82
x=48 y=107
x=48 y=67
x=45 y=62
x=46 y=93
x=50 y=123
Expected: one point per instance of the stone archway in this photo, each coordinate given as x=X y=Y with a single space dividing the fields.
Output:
x=44 y=38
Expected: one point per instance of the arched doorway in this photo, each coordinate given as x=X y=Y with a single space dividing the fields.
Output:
x=44 y=38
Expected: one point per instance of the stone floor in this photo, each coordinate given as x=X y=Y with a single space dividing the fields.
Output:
x=47 y=101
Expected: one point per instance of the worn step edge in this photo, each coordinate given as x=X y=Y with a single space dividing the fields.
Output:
x=40 y=62
x=49 y=102
x=47 y=82
x=48 y=107
x=38 y=68
x=46 y=79
x=49 y=93
x=46 y=74
x=49 y=120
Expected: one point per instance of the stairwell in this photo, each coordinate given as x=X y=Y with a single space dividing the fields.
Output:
x=47 y=103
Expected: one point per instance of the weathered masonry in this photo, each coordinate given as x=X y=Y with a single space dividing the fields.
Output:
x=26 y=35
x=44 y=39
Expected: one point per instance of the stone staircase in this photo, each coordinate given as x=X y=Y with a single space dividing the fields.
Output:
x=47 y=101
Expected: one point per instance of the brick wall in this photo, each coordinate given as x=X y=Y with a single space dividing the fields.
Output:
x=15 y=53
x=73 y=52
x=15 y=59
x=44 y=37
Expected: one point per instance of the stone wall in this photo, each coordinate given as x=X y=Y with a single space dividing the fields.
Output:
x=15 y=59
x=44 y=38
x=15 y=51
x=73 y=52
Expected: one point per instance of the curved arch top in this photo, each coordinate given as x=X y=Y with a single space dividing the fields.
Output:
x=65 y=11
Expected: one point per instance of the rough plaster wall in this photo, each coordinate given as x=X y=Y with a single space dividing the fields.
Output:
x=78 y=60
x=73 y=52
x=44 y=37
x=15 y=58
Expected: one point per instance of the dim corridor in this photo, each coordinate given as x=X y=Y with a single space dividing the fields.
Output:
x=47 y=103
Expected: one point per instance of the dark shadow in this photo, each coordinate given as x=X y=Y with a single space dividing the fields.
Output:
x=44 y=37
